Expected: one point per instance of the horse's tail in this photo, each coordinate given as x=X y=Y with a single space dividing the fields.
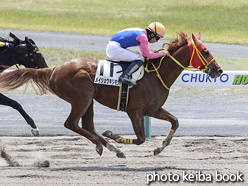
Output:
x=12 y=79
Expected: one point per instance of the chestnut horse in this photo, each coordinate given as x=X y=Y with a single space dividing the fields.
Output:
x=73 y=81
x=24 y=53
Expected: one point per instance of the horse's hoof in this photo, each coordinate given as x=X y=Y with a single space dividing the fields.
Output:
x=120 y=155
x=156 y=151
x=35 y=132
x=99 y=150
x=166 y=143
x=107 y=133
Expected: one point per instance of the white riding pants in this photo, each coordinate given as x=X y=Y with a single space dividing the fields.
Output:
x=116 y=52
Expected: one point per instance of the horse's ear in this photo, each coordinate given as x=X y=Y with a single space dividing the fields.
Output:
x=29 y=44
x=17 y=41
x=195 y=39
x=199 y=36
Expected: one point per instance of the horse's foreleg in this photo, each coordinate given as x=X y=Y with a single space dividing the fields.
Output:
x=15 y=105
x=165 y=143
x=117 y=138
x=138 y=126
x=165 y=115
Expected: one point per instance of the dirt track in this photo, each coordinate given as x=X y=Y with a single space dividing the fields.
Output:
x=73 y=161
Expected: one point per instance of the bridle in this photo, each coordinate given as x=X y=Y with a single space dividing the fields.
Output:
x=11 y=52
x=195 y=53
x=29 y=55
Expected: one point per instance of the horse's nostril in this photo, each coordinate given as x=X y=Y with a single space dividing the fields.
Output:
x=220 y=71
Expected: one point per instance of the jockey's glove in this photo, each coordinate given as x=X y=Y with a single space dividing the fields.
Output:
x=165 y=52
x=9 y=45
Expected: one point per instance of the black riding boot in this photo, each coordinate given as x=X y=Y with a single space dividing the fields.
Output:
x=126 y=76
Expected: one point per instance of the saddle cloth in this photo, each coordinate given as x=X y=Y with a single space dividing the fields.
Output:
x=108 y=72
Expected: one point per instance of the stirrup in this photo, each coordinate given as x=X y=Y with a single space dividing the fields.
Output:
x=128 y=81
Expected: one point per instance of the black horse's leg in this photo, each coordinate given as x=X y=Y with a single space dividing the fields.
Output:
x=4 y=100
x=165 y=115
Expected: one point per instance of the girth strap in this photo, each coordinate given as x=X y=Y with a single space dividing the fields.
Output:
x=123 y=97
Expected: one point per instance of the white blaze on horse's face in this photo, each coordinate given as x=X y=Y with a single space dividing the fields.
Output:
x=202 y=58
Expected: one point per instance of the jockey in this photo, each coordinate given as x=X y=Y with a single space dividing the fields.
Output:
x=118 y=44
x=6 y=44
x=2 y=44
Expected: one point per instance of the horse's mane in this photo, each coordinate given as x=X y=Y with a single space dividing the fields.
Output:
x=180 y=40
x=15 y=41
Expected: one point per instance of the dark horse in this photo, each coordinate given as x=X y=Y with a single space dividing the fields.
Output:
x=73 y=81
x=24 y=53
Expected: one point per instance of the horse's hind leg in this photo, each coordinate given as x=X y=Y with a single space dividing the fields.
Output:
x=88 y=124
x=79 y=108
x=15 y=105
x=74 y=85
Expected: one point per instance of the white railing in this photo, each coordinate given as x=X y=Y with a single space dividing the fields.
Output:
x=228 y=79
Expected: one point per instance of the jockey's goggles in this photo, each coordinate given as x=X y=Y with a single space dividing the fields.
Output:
x=157 y=38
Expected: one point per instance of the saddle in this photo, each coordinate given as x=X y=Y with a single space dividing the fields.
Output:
x=108 y=73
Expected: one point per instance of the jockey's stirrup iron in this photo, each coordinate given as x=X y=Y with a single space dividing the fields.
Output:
x=126 y=77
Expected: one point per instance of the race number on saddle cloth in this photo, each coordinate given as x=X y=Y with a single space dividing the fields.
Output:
x=108 y=72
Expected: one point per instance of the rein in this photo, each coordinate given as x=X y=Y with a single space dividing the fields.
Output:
x=195 y=51
x=29 y=55
x=158 y=75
